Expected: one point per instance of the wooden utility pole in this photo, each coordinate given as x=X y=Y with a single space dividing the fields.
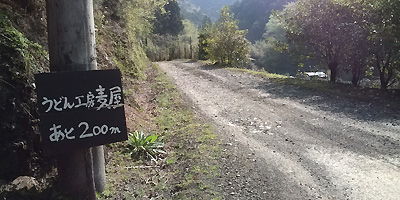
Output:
x=71 y=37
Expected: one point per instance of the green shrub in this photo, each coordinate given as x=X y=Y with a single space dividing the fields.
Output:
x=227 y=44
x=142 y=146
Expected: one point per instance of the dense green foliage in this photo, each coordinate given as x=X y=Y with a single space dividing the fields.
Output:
x=265 y=53
x=168 y=44
x=264 y=32
x=385 y=38
x=347 y=35
x=203 y=44
x=125 y=25
x=254 y=14
x=169 y=47
x=168 y=20
x=188 y=40
x=227 y=44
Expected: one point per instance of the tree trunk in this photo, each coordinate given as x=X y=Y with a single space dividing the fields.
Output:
x=357 y=72
x=385 y=81
x=191 y=48
x=382 y=79
x=382 y=72
x=355 y=80
x=333 y=66
x=179 y=49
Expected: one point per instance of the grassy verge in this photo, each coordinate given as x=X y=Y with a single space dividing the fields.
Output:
x=186 y=172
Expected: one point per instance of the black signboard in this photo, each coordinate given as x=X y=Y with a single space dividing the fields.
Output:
x=80 y=109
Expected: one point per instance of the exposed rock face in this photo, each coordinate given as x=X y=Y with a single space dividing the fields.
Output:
x=25 y=183
x=22 y=186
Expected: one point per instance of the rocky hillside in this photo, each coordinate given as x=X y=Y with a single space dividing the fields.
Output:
x=22 y=51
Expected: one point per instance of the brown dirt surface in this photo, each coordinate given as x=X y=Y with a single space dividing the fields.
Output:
x=285 y=142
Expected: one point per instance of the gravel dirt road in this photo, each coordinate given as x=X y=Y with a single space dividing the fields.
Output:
x=284 y=142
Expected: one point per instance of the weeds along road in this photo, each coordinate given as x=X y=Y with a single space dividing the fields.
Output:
x=284 y=142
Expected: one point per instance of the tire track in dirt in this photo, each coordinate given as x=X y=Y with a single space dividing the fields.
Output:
x=283 y=142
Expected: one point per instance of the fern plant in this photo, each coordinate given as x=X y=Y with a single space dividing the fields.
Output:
x=140 y=145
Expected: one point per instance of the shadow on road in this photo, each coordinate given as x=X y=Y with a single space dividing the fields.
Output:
x=373 y=109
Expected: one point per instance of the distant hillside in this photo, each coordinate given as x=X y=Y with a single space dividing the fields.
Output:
x=253 y=15
x=191 y=12
x=210 y=8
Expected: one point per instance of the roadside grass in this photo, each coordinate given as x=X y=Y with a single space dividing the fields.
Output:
x=187 y=171
x=338 y=89
x=192 y=146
